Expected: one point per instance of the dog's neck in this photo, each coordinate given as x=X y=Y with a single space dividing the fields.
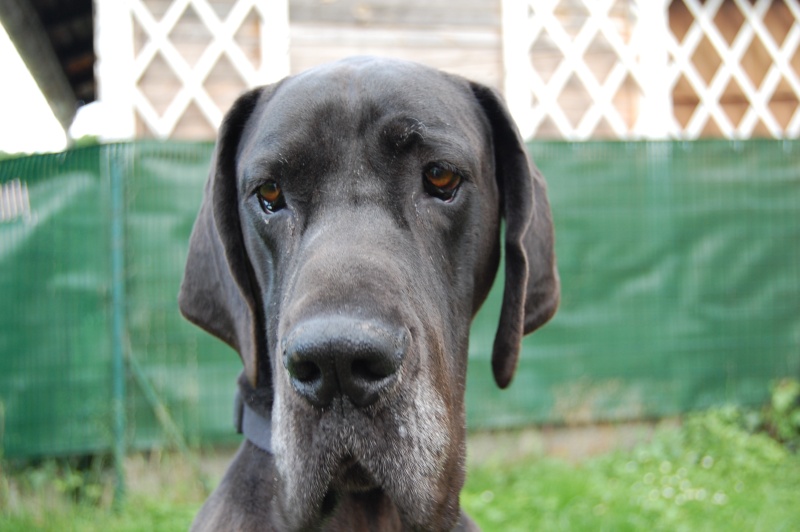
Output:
x=252 y=414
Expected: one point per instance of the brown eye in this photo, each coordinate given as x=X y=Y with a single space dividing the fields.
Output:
x=270 y=197
x=441 y=182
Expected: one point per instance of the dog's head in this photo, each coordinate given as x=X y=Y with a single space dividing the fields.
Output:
x=350 y=231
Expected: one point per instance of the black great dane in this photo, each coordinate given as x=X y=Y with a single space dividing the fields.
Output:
x=349 y=232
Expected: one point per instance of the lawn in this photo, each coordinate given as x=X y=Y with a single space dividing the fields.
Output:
x=709 y=474
x=714 y=471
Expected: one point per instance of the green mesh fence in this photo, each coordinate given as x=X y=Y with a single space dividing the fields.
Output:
x=680 y=264
x=679 y=261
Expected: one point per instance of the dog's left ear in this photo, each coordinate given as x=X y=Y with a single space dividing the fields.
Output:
x=217 y=292
x=531 y=293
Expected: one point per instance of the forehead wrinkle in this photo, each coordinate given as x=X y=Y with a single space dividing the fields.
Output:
x=415 y=129
x=404 y=132
x=433 y=136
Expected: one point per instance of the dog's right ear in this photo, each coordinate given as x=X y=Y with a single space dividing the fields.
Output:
x=218 y=292
x=532 y=288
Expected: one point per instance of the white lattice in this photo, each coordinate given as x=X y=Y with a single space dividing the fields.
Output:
x=584 y=96
x=680 y=68
x=165 y=79
x=732 y=76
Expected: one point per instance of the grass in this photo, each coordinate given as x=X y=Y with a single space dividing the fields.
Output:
x=164 y=493
x=710 y=473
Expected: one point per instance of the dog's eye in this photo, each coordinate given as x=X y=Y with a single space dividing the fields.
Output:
x=270 y=197
x=441 y=182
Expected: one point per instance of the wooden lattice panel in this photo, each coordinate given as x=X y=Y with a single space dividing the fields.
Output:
x=192 y=58
x=734 y=68
x=576 y=69
x=653 y=68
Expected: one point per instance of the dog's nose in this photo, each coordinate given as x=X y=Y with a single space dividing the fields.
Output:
x=359 y=359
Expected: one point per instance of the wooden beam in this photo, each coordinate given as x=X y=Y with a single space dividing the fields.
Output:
x=30 y=39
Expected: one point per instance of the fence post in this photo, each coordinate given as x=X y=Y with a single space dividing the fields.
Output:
x=118 y=305
x=114 y=45
x=517 y=65
x=655 y=118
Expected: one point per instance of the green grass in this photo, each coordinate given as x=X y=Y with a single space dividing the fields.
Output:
x=708 y=474
x=141 y=513
x=164 y=494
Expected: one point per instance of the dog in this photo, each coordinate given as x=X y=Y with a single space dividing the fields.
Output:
x=350 y=230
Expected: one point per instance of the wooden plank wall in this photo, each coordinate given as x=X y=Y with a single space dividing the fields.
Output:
x=461 y=37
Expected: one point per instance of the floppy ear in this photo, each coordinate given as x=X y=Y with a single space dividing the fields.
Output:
x=531 y=293
x=218 y=291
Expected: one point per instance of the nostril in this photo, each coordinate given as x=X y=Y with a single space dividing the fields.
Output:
x=309 y=372
x=369 y=370
x=305 y=372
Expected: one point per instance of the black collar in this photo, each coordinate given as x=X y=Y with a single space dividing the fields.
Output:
x=252 y=415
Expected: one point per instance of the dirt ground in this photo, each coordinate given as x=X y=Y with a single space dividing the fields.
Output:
x=146 y=472
x=572 y=443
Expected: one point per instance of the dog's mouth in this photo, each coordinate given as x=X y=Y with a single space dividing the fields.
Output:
x=352 y=477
